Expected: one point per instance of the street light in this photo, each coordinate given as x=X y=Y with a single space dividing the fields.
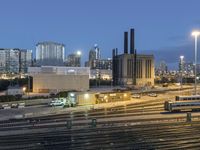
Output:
x=181 y=69
x=195 y=34
x=78 y=53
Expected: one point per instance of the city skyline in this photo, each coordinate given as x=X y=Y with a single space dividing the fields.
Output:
x=80 y=25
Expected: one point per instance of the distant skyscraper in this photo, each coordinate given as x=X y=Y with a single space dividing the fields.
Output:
x=162 y=68
x=15 y=60
x=50 y=54
x=92 y=55
x=25 y=60
x=73 y=60
x=97 y=50
x=188 y=68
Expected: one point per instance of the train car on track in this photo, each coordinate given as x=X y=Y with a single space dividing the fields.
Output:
x=187 y=98
x=181 y=106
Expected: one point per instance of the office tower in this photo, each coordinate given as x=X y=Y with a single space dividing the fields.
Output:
x=73 y=60
x=25 y=60
x=50 y=54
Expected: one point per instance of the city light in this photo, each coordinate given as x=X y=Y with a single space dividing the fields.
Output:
x=24 y=89
x=72 y=94
x=78 y=53
x=195 y=33
x=86 y=95
x=181 y=57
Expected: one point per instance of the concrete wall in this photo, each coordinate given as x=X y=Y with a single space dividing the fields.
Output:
x=55 y=83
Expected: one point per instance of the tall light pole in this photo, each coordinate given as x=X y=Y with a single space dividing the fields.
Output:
x=79 y=53
x=195 y=34
x=181 y=69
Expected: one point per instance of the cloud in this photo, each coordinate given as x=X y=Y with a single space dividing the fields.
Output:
x=171 y=55
x=177 y=38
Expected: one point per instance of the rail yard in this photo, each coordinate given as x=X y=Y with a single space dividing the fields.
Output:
x=139 y=124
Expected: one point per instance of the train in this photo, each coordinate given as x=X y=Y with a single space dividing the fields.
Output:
x=187 y=98
x=182 y=106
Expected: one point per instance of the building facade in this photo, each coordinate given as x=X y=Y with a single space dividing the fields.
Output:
x=50 y=54
x=54 y=79
x=105 y=64
x=126 y=73
x=15 y=60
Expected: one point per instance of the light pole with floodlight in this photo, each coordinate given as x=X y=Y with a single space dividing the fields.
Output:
x=195 y=34
x=79 y=53
x=181 y=69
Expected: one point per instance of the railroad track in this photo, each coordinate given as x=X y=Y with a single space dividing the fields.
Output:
x=116 y=129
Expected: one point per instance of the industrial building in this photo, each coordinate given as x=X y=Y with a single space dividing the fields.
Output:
x=55 y=79
x=131 y=68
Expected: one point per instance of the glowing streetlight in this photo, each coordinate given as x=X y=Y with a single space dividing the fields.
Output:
x=24 y=90
x=78 y=56
x=181 y=57
x=195 y=34
x=78 y=53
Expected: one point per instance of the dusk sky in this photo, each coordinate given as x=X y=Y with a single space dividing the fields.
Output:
x=162 y=28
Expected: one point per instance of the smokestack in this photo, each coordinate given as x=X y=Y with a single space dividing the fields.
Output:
x=132 y=42
x=125 y=42
x=116 y=51
x=113 y=53
x=135 y=66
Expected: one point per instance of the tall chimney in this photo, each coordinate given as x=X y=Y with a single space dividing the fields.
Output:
x=113 y=53
x=125 y=42
x=116 y=51
x=132 y=42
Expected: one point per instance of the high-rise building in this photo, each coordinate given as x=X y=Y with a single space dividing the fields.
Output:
x=99 y=68
x=74 y=60
x=50 y=54
x=188 y=68
x=92 y=55
x=95 y=61
x=97 y=51
x=15 y=60
x=162 y=68
x=132 y=69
